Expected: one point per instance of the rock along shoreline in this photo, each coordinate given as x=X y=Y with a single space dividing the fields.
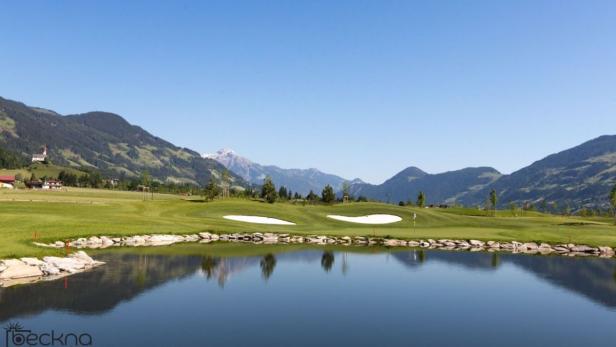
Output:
x=568 y=249
x=30 y=270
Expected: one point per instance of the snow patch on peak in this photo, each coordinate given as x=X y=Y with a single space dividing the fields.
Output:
x=224 y=152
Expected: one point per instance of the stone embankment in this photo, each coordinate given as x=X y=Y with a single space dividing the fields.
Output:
x=568 y=249
x=29 y=270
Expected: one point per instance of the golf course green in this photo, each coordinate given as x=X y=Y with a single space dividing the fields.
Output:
x=73 y=212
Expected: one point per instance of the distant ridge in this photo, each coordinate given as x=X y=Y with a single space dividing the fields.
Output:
x=101 y=140
x=448 y=187
x=581 y=176
x=297 y=180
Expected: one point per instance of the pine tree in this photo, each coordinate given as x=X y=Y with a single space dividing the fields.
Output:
x=312 y=196
x=328 y=195
x=613 y=202
x=268 y=191
x=493 y=200
x=211 y=190
x=421 y=199
x=282 y=193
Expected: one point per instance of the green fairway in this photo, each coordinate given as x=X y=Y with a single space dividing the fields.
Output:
x=72 y=213
x=40 y=170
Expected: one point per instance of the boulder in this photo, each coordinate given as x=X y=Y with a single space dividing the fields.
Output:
x=476 y=243
x=94 y=241
x=32 y=261
x=545 y=248
x=106 y=242
x=394 y=243
x=19 y=269
x=210 y=236
x=65 y=264
x=582 y=249
x=561 y=249
x=162 y=240
x=11 y=262
x=82 y=256
x=49 y=270
x=606 y=251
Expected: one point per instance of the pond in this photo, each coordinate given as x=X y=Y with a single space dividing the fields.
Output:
x=223 y=295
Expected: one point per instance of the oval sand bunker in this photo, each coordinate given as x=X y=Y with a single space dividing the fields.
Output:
x=258 y=220
x=371 y=219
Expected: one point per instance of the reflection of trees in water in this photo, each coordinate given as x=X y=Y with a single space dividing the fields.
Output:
x=421 y=255
x=345 y=264
x=327 y=261
x=141 y=273
x=223 y=268
x=126 y=276
x=495 y=260
x=208 y=265
x=268 y=263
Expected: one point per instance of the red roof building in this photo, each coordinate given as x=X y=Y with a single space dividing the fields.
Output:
x=7 y=179
x=7 y=182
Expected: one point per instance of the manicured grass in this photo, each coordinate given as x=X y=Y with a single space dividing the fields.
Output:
x=40 y=170
x=59 y=215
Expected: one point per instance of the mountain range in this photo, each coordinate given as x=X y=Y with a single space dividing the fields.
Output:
x=297 y=180
x=579 y=176
x=104 y=141
x=446 y=188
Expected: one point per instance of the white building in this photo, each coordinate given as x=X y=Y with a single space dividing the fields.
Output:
x=41 y=157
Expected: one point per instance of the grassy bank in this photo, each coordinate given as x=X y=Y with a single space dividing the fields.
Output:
x=59 y=215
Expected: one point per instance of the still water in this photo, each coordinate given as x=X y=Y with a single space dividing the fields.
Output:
x=283 y=296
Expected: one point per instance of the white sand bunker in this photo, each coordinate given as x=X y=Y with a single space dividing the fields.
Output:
x=371 y=219
x=258 y=220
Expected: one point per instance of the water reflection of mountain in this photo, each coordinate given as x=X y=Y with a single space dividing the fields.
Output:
x=125 y=277
x=591 y=277
x=128 y=275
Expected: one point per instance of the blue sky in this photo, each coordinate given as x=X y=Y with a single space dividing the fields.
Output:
x=356 y=88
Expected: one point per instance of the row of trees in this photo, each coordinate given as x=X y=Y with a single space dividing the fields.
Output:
x=11 y=160
x=492 y=203
x=269 y=193
x=419 y=202
x=583 y=212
